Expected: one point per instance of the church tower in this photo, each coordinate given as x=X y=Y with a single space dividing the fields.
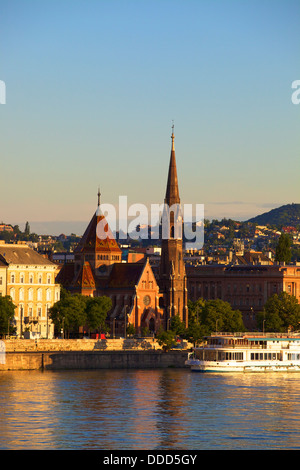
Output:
x=98 y=246
x=172 y=275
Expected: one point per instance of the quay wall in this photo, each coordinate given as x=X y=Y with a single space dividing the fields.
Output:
x=59 y=360
x=87 y=354
x=33 y=345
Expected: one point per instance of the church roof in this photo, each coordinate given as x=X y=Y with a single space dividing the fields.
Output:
x=125 y=275
x=98 y=238
x=85 y=277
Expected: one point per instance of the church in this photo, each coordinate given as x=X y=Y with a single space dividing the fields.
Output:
x=140 y=297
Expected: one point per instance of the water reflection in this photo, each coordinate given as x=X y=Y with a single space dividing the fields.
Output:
x=148 y=409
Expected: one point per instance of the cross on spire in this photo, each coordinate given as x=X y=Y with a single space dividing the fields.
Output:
x=173 y=137
x=99 y=194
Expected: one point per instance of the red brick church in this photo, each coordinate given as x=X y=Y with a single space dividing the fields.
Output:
x=138 y=298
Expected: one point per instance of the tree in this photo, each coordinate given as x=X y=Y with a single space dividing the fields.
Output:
x=166 y=339
x=281 y=312
x=206 y=316
x=69 y=313
x=27 y=229
x=7 y=312
x=218 y=315
x=96 y=312
x=195 y=332
x=177 y=326
x=130 y=330
x=283 y=249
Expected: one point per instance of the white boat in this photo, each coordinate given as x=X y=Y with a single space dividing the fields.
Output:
x=247 y=352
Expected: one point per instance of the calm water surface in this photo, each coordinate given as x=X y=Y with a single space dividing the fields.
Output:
x=148 y=410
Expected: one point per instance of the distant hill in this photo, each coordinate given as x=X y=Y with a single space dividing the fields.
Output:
x=288 y=215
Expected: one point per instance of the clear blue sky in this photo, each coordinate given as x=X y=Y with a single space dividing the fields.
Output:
x=92 y=88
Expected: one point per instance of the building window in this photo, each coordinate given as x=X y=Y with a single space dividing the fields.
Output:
x=12 y=293
x=40 y=279
x=30 y=278
x=1 y=280
x=39 y=294
x=49 y=278
x=30 y=294
x=22 y=278
x=21 y=294
x=12 y=278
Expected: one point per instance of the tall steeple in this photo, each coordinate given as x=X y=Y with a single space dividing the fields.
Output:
x=172 y=191
x=172 y=276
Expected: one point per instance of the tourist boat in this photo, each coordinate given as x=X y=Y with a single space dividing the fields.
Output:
x=247 y=352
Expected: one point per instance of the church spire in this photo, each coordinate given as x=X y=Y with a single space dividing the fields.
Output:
x=172 y=191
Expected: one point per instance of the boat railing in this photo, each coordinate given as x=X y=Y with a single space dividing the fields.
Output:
x=235 y=346
x=257 y=334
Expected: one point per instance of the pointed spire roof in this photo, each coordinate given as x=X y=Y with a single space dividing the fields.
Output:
x=172 y=191
x=92 y=241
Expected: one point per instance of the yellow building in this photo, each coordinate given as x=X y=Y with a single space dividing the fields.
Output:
x=30 y=282
x=3 y=269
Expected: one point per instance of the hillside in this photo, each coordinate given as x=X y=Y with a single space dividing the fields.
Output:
x=288 y=215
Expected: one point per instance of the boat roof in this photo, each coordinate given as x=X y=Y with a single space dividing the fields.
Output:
x=258 y=336
x=274 y=338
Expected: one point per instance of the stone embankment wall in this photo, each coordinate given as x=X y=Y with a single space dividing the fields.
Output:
x=87 y=354
x=13 y=345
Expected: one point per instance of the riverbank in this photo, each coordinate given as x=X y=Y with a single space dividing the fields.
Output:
x=61 y=354
x=59 y=360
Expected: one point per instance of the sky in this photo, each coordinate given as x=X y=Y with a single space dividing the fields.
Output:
x=93 y=87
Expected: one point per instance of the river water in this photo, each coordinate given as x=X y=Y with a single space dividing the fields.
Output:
x=148 y=409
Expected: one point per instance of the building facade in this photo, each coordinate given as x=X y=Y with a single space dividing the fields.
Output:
x=30 y=282
x=245 y=287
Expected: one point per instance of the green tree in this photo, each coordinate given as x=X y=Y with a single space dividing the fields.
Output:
x=166 y=339
x=195 y=309
x=69 y=313
x=97 y=309
x=281 y=312
x=130 y=330
x=27 y=229
x=283 y=249
x=177 y=326
x=195 y=332
x=218 y=315
x=7 y=312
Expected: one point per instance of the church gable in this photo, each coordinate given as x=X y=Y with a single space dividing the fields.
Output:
x=147 y=279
